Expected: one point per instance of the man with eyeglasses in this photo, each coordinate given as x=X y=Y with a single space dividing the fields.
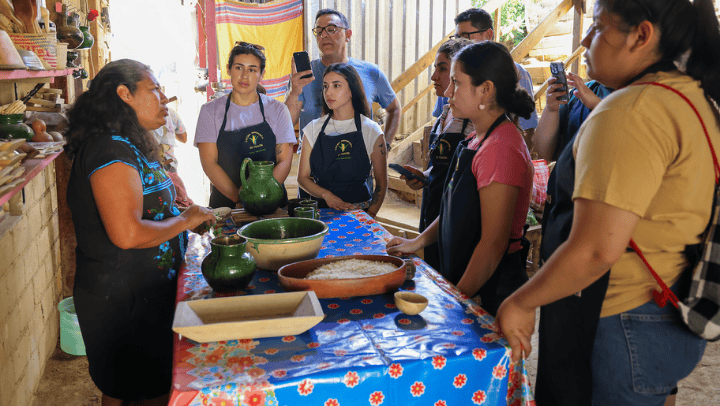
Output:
x=476 y=24
x=304 y=96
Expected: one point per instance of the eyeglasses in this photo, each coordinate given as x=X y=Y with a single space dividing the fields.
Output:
x=330 y=29
x=467 y=35
x=249 y=45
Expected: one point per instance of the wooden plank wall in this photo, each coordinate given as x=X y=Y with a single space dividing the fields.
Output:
x=393 y=34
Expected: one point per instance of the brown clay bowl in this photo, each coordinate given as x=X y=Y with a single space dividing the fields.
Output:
x=292 y=278
x=410 y=303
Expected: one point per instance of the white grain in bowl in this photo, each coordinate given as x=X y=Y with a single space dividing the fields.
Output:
x=351 y=268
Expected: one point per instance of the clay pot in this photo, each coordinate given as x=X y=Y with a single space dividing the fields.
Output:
x=260 y=193
x=69 y=33
x=228 y=267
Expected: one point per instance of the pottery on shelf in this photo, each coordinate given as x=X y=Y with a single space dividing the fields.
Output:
x=12 y=126
x=228 y=267
x=68 y=33
x=88 y=40
x=260 y=193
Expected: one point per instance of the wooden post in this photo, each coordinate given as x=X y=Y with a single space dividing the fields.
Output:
x=578 y=32
x=212 y=47
x=496 y=25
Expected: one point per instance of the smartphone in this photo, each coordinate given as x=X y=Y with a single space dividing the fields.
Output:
x=302 y=63
x=402 y=171
x=557 y=69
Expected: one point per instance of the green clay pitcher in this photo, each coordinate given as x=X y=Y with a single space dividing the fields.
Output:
x=260 y=193
x=228 y=267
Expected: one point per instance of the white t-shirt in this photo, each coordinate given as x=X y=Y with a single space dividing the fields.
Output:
x=370 y=129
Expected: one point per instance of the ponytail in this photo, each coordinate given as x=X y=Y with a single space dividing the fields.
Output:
x=686 y=28
x=518 y=102
x=704 y=61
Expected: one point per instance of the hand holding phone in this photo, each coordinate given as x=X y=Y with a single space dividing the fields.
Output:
x=302 y=63
x=408 y=174
x=557 y=69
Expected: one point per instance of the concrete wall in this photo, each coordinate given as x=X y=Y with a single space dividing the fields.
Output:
x=30 y=288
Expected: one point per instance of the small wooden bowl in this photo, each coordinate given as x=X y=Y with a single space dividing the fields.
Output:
x=410 y=303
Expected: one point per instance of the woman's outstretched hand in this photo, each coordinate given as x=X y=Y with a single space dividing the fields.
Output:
x=517 y=325
x=198 y=218
x=403 y=246
x=582 y=92
x=337 y=203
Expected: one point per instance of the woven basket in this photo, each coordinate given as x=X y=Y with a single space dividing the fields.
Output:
x=42 y=44
x=61 y=55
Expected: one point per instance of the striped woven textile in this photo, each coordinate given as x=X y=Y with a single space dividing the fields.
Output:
x=278 y=26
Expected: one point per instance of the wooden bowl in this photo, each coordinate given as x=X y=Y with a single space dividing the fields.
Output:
x=292 y=278
x=410 y=303
x=281 y=241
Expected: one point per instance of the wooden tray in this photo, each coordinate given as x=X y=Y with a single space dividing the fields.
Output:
x=241 y=317
x=240 y=216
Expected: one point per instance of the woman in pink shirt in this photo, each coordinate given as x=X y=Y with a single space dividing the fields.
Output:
x=484 y=207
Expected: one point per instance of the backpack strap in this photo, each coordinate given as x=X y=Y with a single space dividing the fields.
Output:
x=662 y=297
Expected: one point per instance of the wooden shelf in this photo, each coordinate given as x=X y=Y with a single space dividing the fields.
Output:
x=29 y=74
x=32 y=168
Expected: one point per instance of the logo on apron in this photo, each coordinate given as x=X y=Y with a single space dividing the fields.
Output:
x=256 y=139
x=344 y=148
x=443 y=147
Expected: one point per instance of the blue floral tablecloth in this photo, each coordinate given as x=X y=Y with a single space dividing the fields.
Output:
x=365 y=351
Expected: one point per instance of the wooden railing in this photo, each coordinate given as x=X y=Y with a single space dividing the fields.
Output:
x=518 y=53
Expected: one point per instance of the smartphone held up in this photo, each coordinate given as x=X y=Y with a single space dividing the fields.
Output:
x=302 y=62
x=557 y=69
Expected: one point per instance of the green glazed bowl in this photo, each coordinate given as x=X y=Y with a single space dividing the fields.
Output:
x=281 y=241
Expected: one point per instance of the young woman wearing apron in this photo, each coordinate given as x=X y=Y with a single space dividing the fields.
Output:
x=263 y=128
x=446 y=133
x=336 y=160
x=484 y=206
x=603 y=340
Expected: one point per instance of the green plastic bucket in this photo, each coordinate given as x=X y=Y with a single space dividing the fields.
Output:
x=71 y=340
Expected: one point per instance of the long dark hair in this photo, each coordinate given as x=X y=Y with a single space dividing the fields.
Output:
x=684 y=26
x=357 y=90
x=101 y=112
x=491 y=61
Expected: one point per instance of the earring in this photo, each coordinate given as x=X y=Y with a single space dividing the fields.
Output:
x=481 y=106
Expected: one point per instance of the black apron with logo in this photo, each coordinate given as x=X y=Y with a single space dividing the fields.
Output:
x=568 y=326
x=442 y=150
x=340 y=164
x=256 y=142
x=460 y=230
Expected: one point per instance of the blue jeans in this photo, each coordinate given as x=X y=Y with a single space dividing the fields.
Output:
x=640 y=355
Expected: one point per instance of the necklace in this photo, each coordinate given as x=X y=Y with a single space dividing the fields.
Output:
x=346 y=129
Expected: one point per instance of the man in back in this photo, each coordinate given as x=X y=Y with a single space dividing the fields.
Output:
x=476 y=25
x=304 y=96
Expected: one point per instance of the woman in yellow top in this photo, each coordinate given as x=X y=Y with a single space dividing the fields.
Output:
x=643 y=170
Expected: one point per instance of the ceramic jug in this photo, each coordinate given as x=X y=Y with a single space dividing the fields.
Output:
x=260 y=193
x=88 y=40
x=69 y=33
x=12 y=126
x=228 y=267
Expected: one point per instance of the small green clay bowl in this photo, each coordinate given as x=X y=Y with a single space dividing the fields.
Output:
x=281 y=241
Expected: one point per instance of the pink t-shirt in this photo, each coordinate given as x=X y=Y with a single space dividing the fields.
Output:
x=504 y=158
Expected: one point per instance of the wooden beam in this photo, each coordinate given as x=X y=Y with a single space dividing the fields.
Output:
x=212 y=48
x=402 y=152
x=568 y=61
x=426 y=60
x=496 y=26
x=578 y=31
x=417 y=98
x=414 y=70
x=539 y=32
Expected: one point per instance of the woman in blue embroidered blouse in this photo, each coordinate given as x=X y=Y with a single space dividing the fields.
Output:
x=131 y=237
